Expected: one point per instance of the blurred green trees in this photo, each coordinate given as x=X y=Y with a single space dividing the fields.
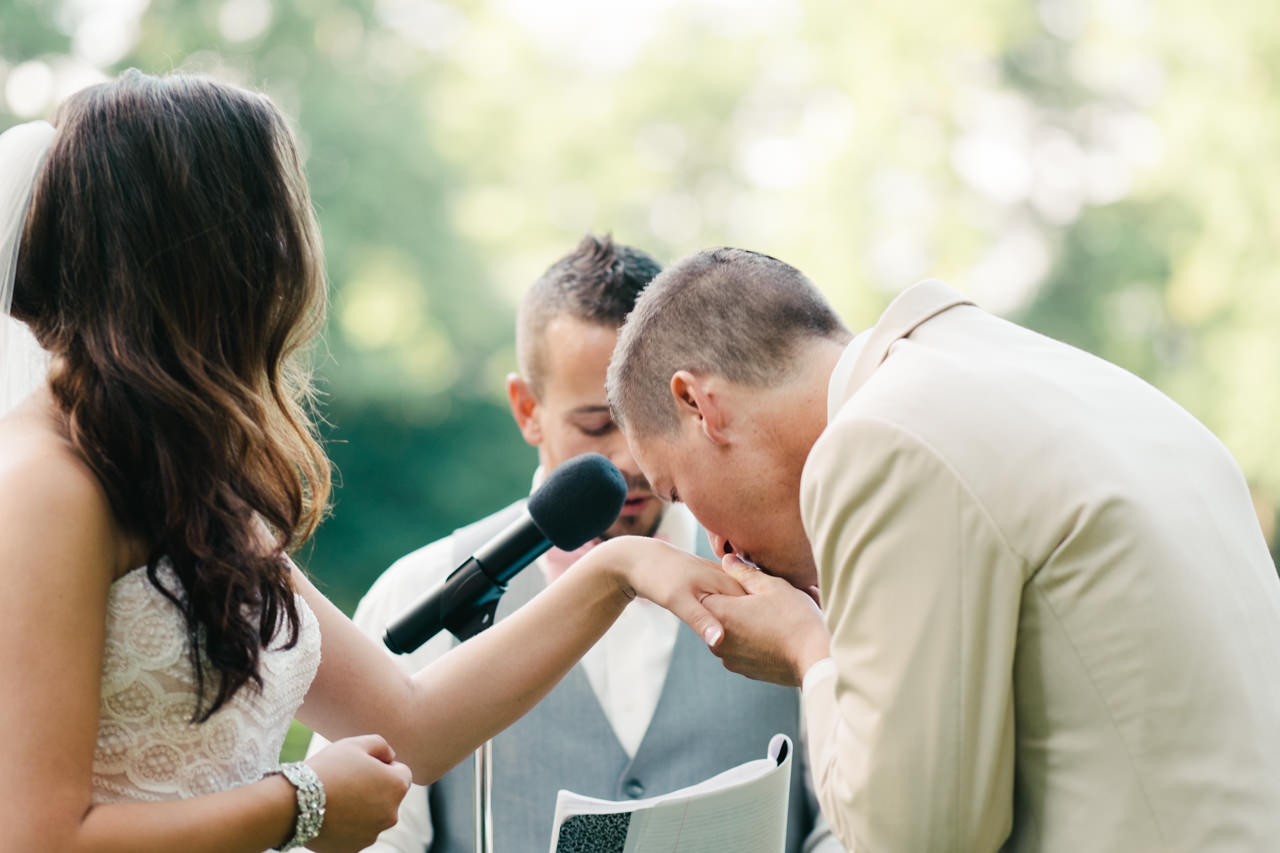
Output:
x=1101 y=170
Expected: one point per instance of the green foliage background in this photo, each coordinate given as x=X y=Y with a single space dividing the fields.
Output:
x=1101 y=170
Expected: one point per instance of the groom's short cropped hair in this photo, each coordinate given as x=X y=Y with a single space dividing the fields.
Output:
x=726 y=312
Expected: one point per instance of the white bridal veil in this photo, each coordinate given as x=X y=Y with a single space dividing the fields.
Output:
x=22 y=152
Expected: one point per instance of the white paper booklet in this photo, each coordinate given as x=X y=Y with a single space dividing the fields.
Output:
x=742 y=810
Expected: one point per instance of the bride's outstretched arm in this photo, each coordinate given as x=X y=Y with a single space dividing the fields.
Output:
x=436 y=718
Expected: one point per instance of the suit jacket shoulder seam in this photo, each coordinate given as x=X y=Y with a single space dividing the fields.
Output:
x=945 y=463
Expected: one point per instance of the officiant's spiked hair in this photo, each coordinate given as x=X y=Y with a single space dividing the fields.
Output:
x=726 y=312
x=598 y=282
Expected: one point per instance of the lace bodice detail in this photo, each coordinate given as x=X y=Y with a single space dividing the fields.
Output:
x=148 y=748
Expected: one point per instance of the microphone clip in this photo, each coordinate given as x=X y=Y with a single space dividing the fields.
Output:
x=465 y=604
x=470 y=619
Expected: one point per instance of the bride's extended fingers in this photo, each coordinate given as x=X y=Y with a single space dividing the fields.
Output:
x=687 y=604
x=719 y=605
x=719 y=583
x=694 y=614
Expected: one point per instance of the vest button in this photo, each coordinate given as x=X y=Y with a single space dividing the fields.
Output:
x=635 y=789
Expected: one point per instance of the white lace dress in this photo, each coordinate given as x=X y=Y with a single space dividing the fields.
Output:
x=148 y=748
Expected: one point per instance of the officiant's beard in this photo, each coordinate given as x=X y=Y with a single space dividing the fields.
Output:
x=643 y=520
x=634 y=527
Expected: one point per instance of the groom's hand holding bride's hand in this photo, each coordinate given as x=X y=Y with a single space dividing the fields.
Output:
x=773 y=633
x=672 y=578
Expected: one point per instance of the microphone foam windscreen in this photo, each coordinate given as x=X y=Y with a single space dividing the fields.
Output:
x=578 y=501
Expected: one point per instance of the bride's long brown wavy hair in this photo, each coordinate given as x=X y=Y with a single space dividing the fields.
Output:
x=171 y=263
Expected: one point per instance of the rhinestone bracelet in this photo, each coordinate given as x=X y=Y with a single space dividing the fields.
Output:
x=310 y=803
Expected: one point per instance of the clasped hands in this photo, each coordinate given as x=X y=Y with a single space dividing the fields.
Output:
x=773 y=632
x=759 y=625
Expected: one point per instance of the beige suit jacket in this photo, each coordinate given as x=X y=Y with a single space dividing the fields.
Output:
x=1054 y=621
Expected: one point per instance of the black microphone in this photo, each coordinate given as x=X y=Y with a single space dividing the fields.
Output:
x=578 y=502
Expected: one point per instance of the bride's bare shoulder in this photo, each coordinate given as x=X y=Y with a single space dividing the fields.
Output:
x=45 y=486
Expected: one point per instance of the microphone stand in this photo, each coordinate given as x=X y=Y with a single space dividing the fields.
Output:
x=484 y=797
x=464 y=626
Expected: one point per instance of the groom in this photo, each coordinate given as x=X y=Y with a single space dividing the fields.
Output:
x=1049 y=620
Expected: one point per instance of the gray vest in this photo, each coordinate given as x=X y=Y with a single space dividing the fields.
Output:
x=707 y=720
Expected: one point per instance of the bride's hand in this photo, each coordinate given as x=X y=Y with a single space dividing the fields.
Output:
x=670 y=577
x=364 y=785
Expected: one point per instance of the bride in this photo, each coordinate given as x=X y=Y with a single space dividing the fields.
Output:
x=155 y=638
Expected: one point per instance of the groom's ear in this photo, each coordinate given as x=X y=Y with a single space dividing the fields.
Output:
x=701 y=399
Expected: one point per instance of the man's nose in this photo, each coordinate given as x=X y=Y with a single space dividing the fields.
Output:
x=719 y=545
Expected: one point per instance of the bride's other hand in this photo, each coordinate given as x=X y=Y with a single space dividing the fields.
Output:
x=363 y=785
x=670 y=577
